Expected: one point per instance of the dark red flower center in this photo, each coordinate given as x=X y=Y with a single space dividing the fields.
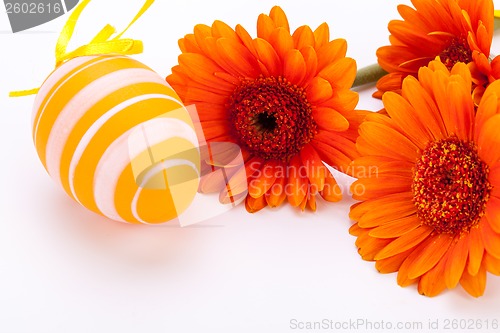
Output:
x=450 y=186
x=457 y=51
x=271 y=117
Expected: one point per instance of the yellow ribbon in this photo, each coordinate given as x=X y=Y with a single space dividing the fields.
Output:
x=100 y=44
x=496 y=13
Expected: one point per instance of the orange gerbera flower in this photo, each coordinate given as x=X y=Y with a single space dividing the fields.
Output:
x=454 y=30
x=284 y=98
x=431 y=204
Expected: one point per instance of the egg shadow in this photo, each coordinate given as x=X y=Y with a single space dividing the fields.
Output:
x=75 y=228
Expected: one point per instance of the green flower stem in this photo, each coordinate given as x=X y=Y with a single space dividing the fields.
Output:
x=368 y=74
x=497 y=23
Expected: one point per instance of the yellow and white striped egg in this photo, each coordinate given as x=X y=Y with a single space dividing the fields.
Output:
x=117 y=138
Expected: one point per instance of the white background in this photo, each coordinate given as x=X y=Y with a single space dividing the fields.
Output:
x=64 y=269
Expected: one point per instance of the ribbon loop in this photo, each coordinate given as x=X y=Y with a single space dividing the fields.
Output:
x=102 y=43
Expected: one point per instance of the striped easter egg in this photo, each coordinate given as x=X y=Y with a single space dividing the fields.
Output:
x=117 y=138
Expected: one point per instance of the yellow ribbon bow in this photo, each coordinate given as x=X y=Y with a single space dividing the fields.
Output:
x=100 y=44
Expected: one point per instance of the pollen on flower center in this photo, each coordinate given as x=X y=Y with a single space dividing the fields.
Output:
x=450 y=186
x=271 y=117
x=457 y=51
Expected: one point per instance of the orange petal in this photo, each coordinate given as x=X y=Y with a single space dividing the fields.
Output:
x=255 y=204
x=268 y=56
x=238 y=181
x=493 y=214
x=276 y=194
x=340 y=73
x=322 y=35
x=455 y=264
x=410 y=36
x=390 y=82
x=403 y=213
x=228 y=77
x=396 y=228
x=495 y=67
x=319 y=90
x=494 y=179
x=491 y=240
x=202 y=69
x=430 y=255
x=216 y=53
x=303 y=37
x=188 y=44
x=392 y=264
x=211 y=112
x=462 y=109
x=476 y=251
x=484 y=39
x=311 y=61
x=341 y=141
x=404 y=115
x=474 y=285
x=279 y=17
x=492 y=264
x=359 y=209
x=487 y=107
x=440 y=82
x=369 y=246
x=222 y=30
x=405 y=242
x=369 y=188
x=202 y=31
x=228 y=197
x=222 y=155
x=294 y=67
x=462 y=70
x=410 y=15
x=297 y=185
x=238 y=57
x=214 y=129
x=231 y=193
x=303 y=204
x=315 y=169
x=311 y=202
x=282 y=42
x=212 y=182
x=343 y=101
x=425 y=107
x=329 y=119
x=265 y=26
x=489 y=141
x=246 y=39
x=372 y=166
x=403 y=279
x=331 y=191
x=332 y=155
x=355 y=230
x=432 y=283
x=331 y=52
x=377 y=139
x=266 y=177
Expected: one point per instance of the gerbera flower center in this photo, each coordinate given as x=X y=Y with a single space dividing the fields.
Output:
x=450 y=186
x=457 y=51
x=271 y=117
